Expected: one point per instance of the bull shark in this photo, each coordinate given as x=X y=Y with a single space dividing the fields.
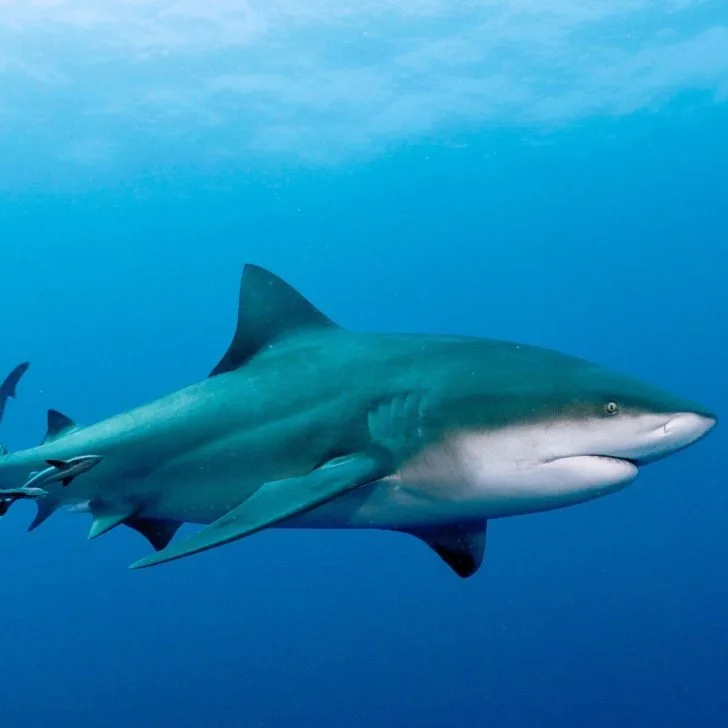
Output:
x=305 y=424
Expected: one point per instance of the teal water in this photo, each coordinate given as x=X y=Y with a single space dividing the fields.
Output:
x=550 y=175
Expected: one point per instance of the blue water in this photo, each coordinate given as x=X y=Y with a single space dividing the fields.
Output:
x=604 y=236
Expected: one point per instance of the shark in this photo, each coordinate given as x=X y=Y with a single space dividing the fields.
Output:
x=306 y=424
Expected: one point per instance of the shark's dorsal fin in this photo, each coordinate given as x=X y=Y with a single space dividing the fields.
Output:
x=268 y=310
x=460 y=546
x=58 y=425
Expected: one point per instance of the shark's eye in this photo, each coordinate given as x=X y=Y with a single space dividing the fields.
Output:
x=611 y=408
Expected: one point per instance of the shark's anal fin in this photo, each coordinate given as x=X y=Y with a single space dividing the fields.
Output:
x=109 y=515
x=58 y=425
x=278 y=500
x=157 y=531
x=461 y=546
x=268 y=309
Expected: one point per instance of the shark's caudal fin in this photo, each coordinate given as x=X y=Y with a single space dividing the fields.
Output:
x=268 y=310
x=10 y=384
x=46 y=507
x=460 y=546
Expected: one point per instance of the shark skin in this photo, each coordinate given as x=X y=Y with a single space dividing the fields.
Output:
x=304 y=424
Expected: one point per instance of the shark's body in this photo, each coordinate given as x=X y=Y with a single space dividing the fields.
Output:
x=305 y=424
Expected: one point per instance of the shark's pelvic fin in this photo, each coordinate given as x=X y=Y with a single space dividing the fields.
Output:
x=58 y=425
x=268 y=309
x=278 y=500
x=460 y=546
x=157 y=531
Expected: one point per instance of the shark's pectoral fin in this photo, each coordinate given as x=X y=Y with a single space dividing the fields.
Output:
x=157 y=531
x=278 y=500
x=461 y=546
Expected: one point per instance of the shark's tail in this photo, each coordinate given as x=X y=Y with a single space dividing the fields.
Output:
x=10 y=384
x=45 y=508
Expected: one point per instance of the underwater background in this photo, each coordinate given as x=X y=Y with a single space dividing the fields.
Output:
x=553 y=173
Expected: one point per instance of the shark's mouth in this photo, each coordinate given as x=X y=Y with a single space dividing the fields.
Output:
x=634 y=462
x=590 y=468
x=595 y=456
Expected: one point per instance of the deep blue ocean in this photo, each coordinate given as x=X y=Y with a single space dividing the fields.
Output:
x=589 y=215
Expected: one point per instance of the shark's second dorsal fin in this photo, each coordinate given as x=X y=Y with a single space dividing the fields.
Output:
x=58 y=425
x=268 y=310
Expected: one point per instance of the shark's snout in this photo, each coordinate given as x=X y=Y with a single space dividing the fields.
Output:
x=681 y=430
x=688 y=427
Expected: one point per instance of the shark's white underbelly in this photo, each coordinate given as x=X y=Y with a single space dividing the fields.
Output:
x=388 y=504
x=464 y=479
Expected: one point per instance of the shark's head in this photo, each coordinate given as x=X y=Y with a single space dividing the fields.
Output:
x=552 y=429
